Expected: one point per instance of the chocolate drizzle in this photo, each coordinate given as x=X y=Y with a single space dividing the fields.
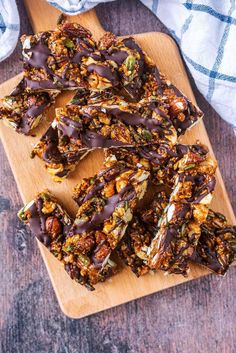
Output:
x=39 y=56
x=37 y=222
x=31 y=106
x=104 y=71
x=118 y=56
x=99 y=218
x=92 y=139
x=51 y=153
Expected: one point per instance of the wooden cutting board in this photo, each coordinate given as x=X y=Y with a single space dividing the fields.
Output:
x=76 y=301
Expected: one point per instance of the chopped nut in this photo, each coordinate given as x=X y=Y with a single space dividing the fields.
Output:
x=53 y=226
x=178 y=105
x=48 y=207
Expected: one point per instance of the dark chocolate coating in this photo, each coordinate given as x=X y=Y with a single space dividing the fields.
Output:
x=99 y=218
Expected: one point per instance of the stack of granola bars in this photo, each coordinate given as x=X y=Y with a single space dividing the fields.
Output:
x=125 y=106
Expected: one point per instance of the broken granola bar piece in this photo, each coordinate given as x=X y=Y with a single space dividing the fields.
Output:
x=160 y=159
x=65 y=58
x=182 y=112
x=114 y=126
x=24 y=110
x=58 y=152
x=50 y=223
x=154 y=89
x=180 y=224
x=106 y=204
x=216 y=248
x=143 y=82
x=77 y=130
x=140 y=232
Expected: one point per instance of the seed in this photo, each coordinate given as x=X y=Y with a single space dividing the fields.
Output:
x=83 y=259
x=69 y=43
x=68 y=248
x=147 y=134
x=190 y=166
x=130 y=62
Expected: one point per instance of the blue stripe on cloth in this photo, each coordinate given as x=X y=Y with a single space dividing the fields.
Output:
x=11 y=26
x=202 y=69
x=2 y=24
x=207 y=72
x=186 y=25
x=81 y=9
x=210 y=11
x=220 y=54
x=155 y=5
x=187 y=22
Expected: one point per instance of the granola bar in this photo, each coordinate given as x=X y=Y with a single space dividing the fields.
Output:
x=50 y=223
x=69 y=58
x=52 y=58
x=23 y=110
x=140 y=232
x=141 y=81
x=47 y=221
x=115 y=126
x=59 y=153
x=182 y=112
x=216 y=247
x=157 y=90
x=78 y=130
x=161 y=160
x=106 y=203
x=180 y=224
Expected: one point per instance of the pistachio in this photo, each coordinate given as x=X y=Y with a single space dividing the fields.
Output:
x=83 y=259
x=190 y=166
x=75 y=100
x=59 y=238
x=69 y=43
x=147 y=135
x=92 y=180
x=68 y=248
x=130 y=62
x=221 y=216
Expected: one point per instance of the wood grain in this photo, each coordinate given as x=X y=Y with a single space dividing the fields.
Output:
x=197 y=316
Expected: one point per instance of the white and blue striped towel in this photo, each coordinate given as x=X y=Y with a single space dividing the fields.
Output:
x=9 y=27
x=205 y=30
